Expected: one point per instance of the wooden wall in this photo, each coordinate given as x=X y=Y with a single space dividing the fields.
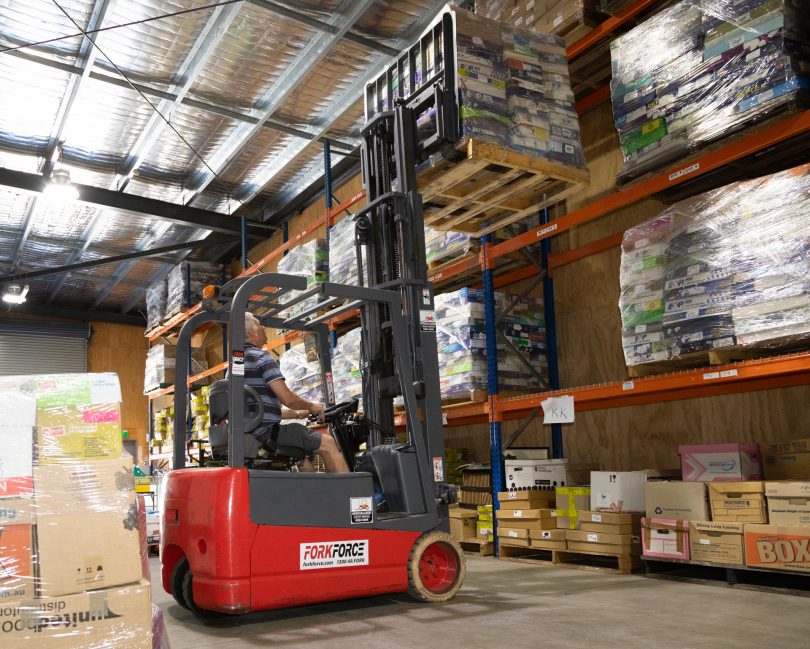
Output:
x=588 y=322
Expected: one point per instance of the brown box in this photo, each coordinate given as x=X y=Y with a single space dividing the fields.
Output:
x=462 y=523
x=788 y=503
x=514 y=543
x=677 y=500
x=793 y=446
x=91 y=619
x=570 y=501
x=581 y=536
x=786 y=466
x=602 y=548
x=778 y=547
x=548 y=539
x=717 y=542
x=87 y=533
x=738 y=502
x=529 y=499
x=540 y=519
x=513 y=533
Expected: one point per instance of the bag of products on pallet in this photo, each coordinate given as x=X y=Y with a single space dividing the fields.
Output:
x=346 y=367
x=568 y=18
x=342 y=253
x=311 y=261
x=442 y=245
x=185 y=283
x=728 y=267
x=79 y=487
x=160 y=366
x=698 y=71
x=155 y=303
x=302 y=373
x=513 y=87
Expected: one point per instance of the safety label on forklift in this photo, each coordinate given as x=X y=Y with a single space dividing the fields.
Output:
x=238 y=363
x=334 y=554
x=427 y=319
x=438 y=469
x=362 y=510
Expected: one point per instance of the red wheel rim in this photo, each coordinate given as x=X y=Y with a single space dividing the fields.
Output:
x=438 y=567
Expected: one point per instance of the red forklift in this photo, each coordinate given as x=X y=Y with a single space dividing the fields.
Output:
x=247 y=537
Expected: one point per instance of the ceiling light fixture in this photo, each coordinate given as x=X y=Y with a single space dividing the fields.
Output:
x=15 y=294
x=60 y=186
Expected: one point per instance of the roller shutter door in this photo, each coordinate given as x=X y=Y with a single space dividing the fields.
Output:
x=39 y=347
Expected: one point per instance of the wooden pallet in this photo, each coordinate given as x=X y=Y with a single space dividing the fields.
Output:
x=478 y=546
x=439 y=264
x=622 y=564
x=493 y=186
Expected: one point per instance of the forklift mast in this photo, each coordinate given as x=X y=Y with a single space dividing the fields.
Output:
x=390 y=245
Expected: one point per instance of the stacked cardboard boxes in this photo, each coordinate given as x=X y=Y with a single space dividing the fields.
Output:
x=463 y=523
x=70 y=543
x=606 y=533
x=568 y=18
x=523 y=516
x=569 y=501
x=485 y=525
x=476 y=486
x=784 y=543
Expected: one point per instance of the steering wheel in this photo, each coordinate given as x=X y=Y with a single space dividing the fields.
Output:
x=254 y=409
x=340 y=409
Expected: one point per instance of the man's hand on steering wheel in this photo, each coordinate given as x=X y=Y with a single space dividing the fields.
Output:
x=316 y=412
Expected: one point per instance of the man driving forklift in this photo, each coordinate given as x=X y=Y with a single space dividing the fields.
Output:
x=262 y=373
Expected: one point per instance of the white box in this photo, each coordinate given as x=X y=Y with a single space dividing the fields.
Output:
x=17 y=443
x=618 y=491
x=536 y=474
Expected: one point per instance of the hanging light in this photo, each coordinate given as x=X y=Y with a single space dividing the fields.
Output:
x=60 y=187
x=15 y=294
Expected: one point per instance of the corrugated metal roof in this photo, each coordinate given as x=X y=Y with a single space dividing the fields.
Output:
x=215 y=73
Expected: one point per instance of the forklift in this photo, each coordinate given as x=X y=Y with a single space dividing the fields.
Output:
x=244 y=537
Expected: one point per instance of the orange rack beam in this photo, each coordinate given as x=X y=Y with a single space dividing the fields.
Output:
x=783 y=130
x=607 y=28
x=747 y=376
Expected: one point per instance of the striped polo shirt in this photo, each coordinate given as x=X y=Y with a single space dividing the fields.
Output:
x=260 y=369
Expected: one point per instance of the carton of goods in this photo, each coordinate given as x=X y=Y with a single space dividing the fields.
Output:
x=738 y=502
x=527 y=519
x=677 y=500
x=533 y=474
x=717 y=542
x=463 y=523
x=787 y=465
x=119 y=617
x=78 y=417
x=548 y=539
x=483 y=530
x=16 y=550
x=778 y=547
x=16 y=442
x=721 y=462
x=788 y=503
x=570 y=501
x=527 y=499
x=610 y=522
x=93 y=504
x=583 y=541
x=665 y=538
x=621 y=491
x=513 y=537
x=793 y=446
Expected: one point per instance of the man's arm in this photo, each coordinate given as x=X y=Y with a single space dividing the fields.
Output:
x=292 y=401
x=286 y=413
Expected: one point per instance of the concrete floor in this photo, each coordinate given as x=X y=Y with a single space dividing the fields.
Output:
x=507 y=605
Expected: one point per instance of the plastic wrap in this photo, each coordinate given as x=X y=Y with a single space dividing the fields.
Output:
x=70 y=548
x=200 y=274
x=728 y=267
x=311 y=261
x=513 y=87
x=160 y=366
x=155 y=303
x=441 y=245
x=346 y=367
x=700 y=70
x=342 y=253
x=302 y=373
x=160 y=636
x=550 y=16
x=162 y=440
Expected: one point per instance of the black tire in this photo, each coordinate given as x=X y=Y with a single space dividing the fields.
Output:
x=436 y=568
x=176 y=582
x=188 y=595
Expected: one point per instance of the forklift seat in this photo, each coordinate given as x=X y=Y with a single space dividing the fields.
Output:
x=254 y=411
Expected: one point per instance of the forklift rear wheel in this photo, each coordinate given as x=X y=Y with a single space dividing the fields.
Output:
x=178 y=573
x=435 y=568
x=188 y=595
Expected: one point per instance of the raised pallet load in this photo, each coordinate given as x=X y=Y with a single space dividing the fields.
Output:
x=570 y=19
x=697 y=72
x=309 y=260
x=520 y=147
x=185 y=283
x=719 y=277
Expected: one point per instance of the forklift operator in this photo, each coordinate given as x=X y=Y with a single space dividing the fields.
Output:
x=263 y=375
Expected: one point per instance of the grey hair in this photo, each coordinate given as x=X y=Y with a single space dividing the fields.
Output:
x=252 y=324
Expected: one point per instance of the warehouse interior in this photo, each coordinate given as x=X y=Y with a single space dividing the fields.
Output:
x=536 y=269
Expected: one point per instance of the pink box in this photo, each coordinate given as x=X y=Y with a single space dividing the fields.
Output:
x=667 y=538
x=721 y=462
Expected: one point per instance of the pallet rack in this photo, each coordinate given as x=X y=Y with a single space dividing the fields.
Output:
x=760 y=374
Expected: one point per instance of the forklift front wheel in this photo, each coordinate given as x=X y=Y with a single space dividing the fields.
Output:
x=436 y=568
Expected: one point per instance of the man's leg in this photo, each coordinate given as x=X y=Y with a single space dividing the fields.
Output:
x=311 y=441
x=331 y=455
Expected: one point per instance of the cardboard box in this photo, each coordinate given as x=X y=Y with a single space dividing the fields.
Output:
x=539 y=519
x=16 y=550
x=793 y=446
x=610 y=522
x=677 y=500
x=721 y=462
x=583 y=536
x=16 y=443
x=738 y=502
x=665 y=537
x=484 y=530
x=529 y=474
x=514 y=543
x=778 y=547
x=119 y=616
x=787 y=466
x=527 y=499
x=513 y=533
x=462 y=523
x=570 y=501
x=717 y=542
x=547 y=539
x=618 y=491
x=788 y=503
x=87 y=533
